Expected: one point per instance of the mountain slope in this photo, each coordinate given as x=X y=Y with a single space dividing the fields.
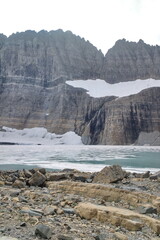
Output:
x=128 y=61
x=44 y=58
x=34 y=68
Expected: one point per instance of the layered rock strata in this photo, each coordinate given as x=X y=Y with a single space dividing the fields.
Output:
x=127 y=61
x=33 y=93
x=47 y=58
x=122 y=120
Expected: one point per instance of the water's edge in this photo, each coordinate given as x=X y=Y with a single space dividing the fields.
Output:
x=82 y=157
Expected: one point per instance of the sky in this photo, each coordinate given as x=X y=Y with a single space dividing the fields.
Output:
x=102 y=22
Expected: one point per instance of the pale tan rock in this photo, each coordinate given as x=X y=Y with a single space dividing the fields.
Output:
x=107 y=193
x=15 y=199
x=18 y=184
x=50 y=210
x=56 y=176
x=120 y=236
x=63 y=203
x=59 y=211
x=120 y=217
x=131 y=225
x=2 y=183
x=8 y=238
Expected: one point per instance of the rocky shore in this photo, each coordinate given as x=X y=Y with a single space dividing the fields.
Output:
x=73 y=205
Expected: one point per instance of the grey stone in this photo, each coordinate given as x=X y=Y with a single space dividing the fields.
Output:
x=37 y=179
x=23 y=224
x=27 y=173
x=43 y=231
x=146 y=174
x=32 y=213
x=2 y=230
x=15 y=193
x=41 y=170
x=109 y=174
x=155 y=176
x=57 y=176
x=65 y=237
x=79 y=178
x=147 y=210
x=101 y=237
x=23 y=199
x=68 y=210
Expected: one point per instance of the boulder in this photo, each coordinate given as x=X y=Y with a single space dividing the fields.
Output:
x=41 y=170
x=43 y=231
x=18 y=184
x=146 y=174
x=155 y=176
x=69 y=211
x=14 y=193
x=79 y=178
x=50 y=210
x=57 y=176
x=27 y=173
x=37 y=179
x=110 y=174
x=31 y=212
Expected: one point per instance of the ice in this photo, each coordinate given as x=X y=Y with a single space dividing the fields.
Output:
x=38 y=136
x=99 y=88
x=80 y=157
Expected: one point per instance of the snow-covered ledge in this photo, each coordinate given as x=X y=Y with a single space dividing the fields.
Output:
x=100 y=88
x=37 y=136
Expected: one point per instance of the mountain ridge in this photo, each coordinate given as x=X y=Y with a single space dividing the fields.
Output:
x=34 y=68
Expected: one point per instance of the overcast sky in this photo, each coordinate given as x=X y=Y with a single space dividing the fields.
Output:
x=102 y=22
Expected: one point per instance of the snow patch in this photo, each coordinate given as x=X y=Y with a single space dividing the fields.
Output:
x=38 y=136
x=99 y=88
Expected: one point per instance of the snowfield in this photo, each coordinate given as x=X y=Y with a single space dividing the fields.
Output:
x=100 y=88
x=38 y=136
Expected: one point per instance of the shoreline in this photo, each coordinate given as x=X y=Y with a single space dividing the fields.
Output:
x=67 y=203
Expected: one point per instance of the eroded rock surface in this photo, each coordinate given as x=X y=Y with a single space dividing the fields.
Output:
x=34 y=68
x=75 y=210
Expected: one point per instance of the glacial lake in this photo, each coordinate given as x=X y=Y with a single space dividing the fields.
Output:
x=80 y=157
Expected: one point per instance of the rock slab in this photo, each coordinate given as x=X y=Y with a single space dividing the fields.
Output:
x=43 y=231
x=109 y=174
x=37 y=179
x=128 y=219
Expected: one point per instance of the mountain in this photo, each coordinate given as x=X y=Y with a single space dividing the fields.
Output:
x=34 y=68
x=128 y=61
x=44 y=58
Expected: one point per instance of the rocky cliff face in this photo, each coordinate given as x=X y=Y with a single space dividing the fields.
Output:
x=121 y=121
x=33 y=93
x=47 y=57
x=60 y=109
x=128 y=61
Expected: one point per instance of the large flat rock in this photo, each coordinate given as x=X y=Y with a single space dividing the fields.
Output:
x=131 y=220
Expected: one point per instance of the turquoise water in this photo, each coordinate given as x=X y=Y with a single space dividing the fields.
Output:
x=84 y=158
